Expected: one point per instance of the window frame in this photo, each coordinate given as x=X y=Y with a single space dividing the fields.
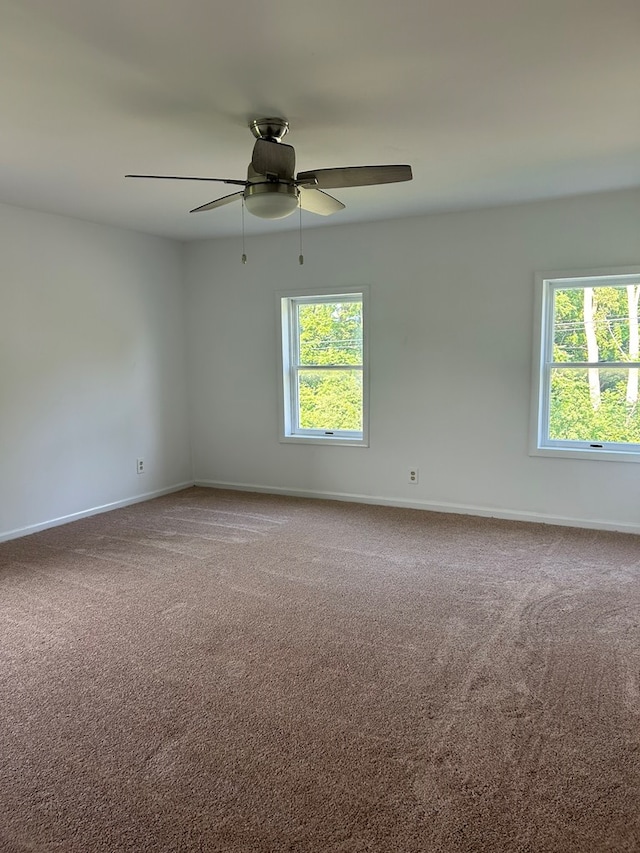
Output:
x=546 y=283
x=290 y=431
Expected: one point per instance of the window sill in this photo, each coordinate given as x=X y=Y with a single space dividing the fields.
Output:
x=586 y=452
x=324 y=439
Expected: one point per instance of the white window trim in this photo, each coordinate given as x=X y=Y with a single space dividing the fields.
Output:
x=539 y=443
x=286 y=393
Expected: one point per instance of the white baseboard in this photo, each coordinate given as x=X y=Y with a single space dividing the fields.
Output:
x=85 y=513
x=431 y=506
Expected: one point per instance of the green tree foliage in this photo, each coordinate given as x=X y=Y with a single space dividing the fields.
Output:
x=330 y=334
x=330 y=401
x=573 y=415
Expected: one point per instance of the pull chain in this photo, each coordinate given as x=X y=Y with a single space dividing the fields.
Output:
x=244 y=256
x=300 y=256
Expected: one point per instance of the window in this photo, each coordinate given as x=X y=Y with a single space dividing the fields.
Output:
x=324 y=367
x=587 y=365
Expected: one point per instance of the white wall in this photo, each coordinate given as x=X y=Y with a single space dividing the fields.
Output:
x=93 y=371
x=92 y=368
x=451 y=344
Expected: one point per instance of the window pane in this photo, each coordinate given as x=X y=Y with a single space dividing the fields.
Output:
x=598 y=405
x=596 y=324
x=330 y=332
x=330 y=399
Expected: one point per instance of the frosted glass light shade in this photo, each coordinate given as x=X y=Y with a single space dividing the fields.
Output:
x=271 y=200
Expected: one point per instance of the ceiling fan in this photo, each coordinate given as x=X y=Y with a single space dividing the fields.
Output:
x=273 y=191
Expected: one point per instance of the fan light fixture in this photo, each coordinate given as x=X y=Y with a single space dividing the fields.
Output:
x=271 y=200
x=272 y=190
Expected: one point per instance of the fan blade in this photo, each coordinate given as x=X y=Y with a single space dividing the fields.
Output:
x=354 y=176
x=218 y=202
x=274 y=158
x=181 y=178
x=316 y=201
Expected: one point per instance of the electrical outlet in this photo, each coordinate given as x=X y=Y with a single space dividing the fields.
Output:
x=413 y=476
x=140 y=466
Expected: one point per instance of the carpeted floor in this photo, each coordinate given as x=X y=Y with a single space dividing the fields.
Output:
x=222 y=671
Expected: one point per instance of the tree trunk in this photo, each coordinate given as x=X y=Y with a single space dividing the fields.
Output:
x=633 y=295
x=592 y=348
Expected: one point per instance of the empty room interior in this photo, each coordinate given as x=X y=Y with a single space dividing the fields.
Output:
x=319 y=426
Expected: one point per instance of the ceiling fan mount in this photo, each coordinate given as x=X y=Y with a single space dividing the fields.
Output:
x=273 y=129
x=272 y=189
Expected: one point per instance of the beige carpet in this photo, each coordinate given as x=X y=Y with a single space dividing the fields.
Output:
x=219 y=671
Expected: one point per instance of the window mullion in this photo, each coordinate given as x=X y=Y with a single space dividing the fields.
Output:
x=330 y=366
x=594 y=365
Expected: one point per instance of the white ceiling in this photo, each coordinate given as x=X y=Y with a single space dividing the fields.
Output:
x=490 y=102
